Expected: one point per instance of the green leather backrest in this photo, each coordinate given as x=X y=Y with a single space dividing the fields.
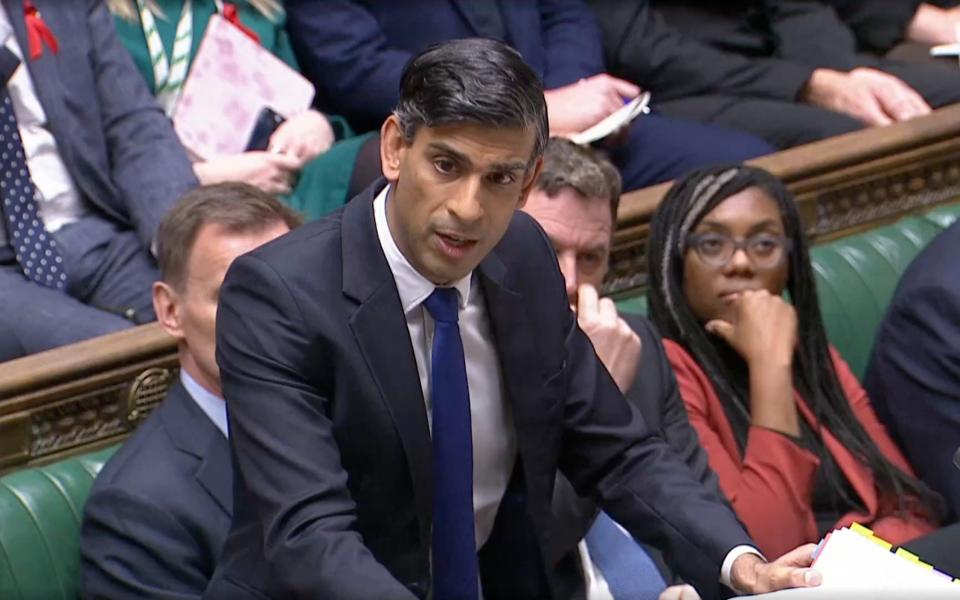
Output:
x=40 y=514
x=856 y=277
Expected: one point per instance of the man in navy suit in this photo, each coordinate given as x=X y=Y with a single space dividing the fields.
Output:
x=913 y=378
x=575 y=201
x=355 y=50
x=405 y=378
x=91 y=165
x=160 y=510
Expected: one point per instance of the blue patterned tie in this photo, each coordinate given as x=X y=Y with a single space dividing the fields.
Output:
x=630 y=572
x=454 y=550
x=35 y=249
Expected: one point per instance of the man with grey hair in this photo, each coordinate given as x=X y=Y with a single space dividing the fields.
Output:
x=405 y=378
x=575 y=201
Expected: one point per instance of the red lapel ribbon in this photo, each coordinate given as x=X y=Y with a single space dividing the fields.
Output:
x=231 y=14
x=37 y=31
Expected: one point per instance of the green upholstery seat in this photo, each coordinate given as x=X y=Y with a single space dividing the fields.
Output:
x=40 y=514
x=856 y=277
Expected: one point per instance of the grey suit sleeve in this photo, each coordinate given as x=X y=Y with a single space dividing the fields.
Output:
x=131 y=548
x=812 y=33
x=643 y=48
x=288 y=476
x=149 y=166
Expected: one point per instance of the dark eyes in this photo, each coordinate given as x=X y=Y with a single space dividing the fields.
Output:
x=502 y=178
x=444 y=166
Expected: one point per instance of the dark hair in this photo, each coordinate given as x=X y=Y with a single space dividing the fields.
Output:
x=813 y=372
x=566 y=164
x=237 y=207
x=472 y=81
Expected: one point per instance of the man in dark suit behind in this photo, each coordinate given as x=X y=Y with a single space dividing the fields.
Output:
x=789 y=71
x=913 y=378
x=160 y=510
x=405 y=377
x=92 y=165
x=575 y=201
x=355 y=50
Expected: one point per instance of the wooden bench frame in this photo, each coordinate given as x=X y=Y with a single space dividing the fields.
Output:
x=88 y=395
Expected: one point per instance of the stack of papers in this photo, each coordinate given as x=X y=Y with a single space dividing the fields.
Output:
x=855 y=563
x=856 y=558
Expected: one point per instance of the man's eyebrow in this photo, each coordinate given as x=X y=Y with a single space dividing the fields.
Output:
x=446 y=149
x=500 y=167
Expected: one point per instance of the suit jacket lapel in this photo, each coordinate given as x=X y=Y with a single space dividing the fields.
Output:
x=516 y=350
x=380 y=329
x=45 y=75
x=192 y=432
x=44 y=72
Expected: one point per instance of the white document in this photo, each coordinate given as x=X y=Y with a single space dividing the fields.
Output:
x=856 y=564
x=613 y=122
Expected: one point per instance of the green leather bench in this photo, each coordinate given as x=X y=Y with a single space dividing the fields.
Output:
x=40 y=514
x=856 y=277
x=41 y=509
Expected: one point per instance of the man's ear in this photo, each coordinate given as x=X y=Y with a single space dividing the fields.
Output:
x=529 y=180
x=166 y=303
x=392 y=146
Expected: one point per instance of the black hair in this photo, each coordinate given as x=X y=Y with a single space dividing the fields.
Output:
x=472 y=80
x=813 y=371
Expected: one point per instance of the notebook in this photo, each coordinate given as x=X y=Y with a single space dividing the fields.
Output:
x=232 y=78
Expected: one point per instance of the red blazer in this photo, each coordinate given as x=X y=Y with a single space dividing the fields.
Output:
x=771 y=483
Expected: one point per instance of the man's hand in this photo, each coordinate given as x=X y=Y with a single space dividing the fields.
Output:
x=613 y=339
x=751 y=574
x=869 y=95
x=272 y=173
x=934 y=25
x=304 y=136
x=581 y=105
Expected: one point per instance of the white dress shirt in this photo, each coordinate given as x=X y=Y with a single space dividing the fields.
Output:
x=60 y=203
x=212 y=405
x=494 y=439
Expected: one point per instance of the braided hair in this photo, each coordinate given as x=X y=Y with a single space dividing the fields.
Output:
x=813 y=371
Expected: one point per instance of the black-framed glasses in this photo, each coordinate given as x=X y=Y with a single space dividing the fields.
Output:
x=765 y=250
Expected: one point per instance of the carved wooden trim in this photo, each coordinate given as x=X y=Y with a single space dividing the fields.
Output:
x=82 y=396
x=842 y=185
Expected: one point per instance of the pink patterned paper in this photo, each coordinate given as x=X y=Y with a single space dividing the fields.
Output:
x=231 y=80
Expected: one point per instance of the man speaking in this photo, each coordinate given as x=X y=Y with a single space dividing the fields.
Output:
x=404 y=378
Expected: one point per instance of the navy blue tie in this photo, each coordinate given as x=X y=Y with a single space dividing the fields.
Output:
x=35 y=249
x=453 y=547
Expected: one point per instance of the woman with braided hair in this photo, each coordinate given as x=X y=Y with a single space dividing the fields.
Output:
x=787 y=427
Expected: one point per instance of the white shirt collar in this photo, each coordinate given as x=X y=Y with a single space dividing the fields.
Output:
x=212 y=405
x=413 y=287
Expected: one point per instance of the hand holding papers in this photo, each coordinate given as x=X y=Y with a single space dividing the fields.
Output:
x=615 y=121
x=854 y=563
